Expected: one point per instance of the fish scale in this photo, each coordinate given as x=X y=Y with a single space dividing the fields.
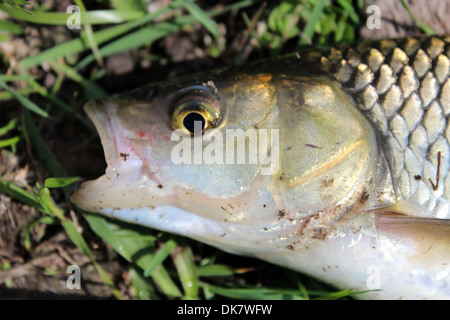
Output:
x=403 y=88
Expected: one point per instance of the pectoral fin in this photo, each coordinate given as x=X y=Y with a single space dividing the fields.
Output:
x=431 y=237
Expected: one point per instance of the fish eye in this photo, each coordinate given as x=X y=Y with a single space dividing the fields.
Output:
x=195 y=109
x=190 y=119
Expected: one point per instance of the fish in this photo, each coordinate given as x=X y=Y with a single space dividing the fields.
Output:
x=332 y=162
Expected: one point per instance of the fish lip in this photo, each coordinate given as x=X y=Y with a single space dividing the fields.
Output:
x=120 y=156
x=120 y=171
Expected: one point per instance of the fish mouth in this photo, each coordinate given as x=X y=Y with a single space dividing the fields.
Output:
x=120 y=155
x=126 y=183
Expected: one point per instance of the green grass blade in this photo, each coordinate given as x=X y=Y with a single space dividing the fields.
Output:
x=133 y=40
x=79 y=241
x=348 y=7
x=9 y=142
x=91 y=89
x=17 y=3
x=149 y=34
x=341 y=26
x=123 y=237
x=160 y=256
x=90 y=35
x=26 y=232
x=219 y=270
x=296 y=279
x=44 y=152
x=46 y=201
x=5 y=95
x=143 y=288
x=36 y=87
x=308 y=32
x=100 y=37
x=59 y=182
x=426 y=29
x=253 y=293
x=79 y=44
x=187 y=271
x=14 y=191
x=15 y=77
x=43 y=201
x=335 y=295
x=129 y=5
x=75 y=236
x=60 y=18
x=202 y=17
x=10 y=27
x=9 y=126
x=24 y=101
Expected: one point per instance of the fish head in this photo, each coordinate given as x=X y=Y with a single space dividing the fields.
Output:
x=227 y=158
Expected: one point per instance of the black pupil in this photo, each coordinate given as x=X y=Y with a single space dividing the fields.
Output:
x=191 y=118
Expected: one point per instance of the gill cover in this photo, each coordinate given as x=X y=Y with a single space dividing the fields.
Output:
x=329 y=154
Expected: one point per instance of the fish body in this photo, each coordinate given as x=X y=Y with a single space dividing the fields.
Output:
x=334 y=163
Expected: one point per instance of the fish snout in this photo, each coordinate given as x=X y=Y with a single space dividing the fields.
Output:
x=120 y=154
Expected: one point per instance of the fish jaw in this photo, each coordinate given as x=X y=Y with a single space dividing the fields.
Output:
x=128 y=181
x=120 y=154
x=232 y=237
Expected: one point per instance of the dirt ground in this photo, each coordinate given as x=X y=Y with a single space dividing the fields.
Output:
x=41 y=271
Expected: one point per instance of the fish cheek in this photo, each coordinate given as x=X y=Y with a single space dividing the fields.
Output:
x=249 y=101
